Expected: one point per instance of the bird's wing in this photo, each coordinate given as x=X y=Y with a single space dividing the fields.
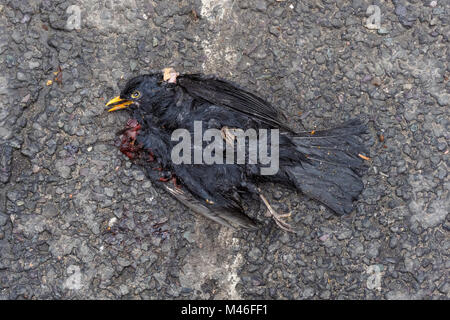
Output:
x=226 y=94
x=225 y=216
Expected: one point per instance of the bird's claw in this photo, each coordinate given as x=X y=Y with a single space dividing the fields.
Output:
x=278 y=218
x=282 y=224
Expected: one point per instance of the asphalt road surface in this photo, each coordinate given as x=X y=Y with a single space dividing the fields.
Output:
x=78 y=220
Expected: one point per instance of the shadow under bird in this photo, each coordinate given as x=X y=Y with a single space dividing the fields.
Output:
x=326 y=165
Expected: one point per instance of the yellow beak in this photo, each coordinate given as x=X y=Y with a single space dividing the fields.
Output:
x=118 y=103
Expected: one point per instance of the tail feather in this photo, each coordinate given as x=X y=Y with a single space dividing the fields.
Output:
x=341 y=145
x=331 y=174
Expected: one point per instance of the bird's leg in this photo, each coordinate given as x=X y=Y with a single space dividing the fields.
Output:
x=278 y=218
x=228 y=135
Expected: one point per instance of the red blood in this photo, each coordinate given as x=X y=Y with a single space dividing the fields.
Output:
x=129 y=154
x=132 y=135
x=128 y=139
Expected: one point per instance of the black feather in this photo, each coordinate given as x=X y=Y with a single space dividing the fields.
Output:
x=324 y=164
x=226 y=94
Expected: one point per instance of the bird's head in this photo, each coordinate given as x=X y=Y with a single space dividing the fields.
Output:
x=145 y=90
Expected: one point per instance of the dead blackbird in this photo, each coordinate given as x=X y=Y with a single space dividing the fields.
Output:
x=324 y=164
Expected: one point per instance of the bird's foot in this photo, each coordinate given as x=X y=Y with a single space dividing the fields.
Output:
x=278 y=218
x=228 y=135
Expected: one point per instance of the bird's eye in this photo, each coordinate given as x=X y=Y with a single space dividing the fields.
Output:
x=136 y=94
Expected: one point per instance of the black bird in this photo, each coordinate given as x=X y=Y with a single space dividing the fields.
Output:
x=324 y=164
